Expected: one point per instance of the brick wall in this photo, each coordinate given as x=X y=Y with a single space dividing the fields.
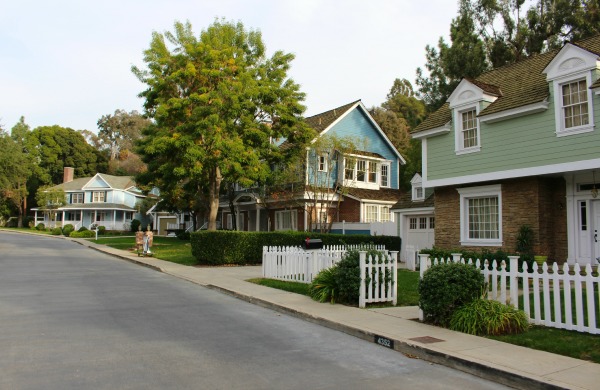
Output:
x=349 y=210
x=538 y=202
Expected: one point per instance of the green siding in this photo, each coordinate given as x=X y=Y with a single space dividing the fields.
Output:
x=525 y=142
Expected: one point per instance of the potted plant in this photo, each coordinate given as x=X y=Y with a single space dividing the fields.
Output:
x=525 y=244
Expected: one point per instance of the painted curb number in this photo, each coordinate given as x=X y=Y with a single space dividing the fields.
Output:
x=384 y=342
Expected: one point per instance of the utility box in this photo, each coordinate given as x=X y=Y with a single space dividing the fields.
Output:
x=312 y=243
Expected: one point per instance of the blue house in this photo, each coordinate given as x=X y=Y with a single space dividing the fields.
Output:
x=334 y=185
x=103 y=200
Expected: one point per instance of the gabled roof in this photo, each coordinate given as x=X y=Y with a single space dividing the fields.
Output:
x=406 y=201
x=322 y=121
x=114 y=182
x=516 y=85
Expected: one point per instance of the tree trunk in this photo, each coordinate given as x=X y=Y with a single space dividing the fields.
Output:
x=214 y=187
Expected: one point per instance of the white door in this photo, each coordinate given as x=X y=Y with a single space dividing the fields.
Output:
x=596 y=232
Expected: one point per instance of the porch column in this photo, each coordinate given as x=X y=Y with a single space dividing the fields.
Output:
x=115 y=219
x=63 y=218
x=258 y=219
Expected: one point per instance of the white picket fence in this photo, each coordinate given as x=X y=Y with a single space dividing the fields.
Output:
x=299 y=265
x=550 y=295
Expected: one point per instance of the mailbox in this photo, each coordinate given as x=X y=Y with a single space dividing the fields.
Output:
x=312 y=243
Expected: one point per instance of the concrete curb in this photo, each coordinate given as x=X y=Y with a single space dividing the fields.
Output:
x=410 y=350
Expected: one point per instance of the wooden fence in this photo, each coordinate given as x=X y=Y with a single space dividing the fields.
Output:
x=559 y=297
x=299 y=265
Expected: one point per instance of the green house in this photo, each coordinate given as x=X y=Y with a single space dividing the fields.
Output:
x=516 y=146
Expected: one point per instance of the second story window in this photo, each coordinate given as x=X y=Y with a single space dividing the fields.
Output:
x=361 y=170
x=322 y=164
x=98 y=196
x=77 y=198
x=469 y=129
x=385 y=175
x=575 y=104
x=372 y=172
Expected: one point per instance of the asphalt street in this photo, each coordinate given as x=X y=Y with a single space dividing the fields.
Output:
x=74 y=318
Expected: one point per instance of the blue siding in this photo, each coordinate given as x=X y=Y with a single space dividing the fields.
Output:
x=356 y=125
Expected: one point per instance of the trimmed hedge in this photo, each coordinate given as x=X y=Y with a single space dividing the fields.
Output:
x=233 y=247
x=83 y=234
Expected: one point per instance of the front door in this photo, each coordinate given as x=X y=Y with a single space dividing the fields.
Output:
x=596 y=232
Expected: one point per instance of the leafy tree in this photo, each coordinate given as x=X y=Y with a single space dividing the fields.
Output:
x=400 y=113
x=119 y=132
x=60 y=147
x=492 y=33
x=49 y=199
x=448 y=64
x=216 y=101
x=15 y=168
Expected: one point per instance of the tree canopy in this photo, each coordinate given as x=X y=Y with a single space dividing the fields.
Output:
x=491 y=33
x=119 y=132
x=15 y=169
x=216 y=101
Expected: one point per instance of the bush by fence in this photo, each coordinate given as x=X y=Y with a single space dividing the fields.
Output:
x=233 y=247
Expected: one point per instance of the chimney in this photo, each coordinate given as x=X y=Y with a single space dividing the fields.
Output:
x=68 y=174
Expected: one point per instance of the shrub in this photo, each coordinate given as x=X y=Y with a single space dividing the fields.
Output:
x=40 y=226
x=83 y=234
x=101 y=230
x=484 y=317
x=233 y=247
x=348 y=275
x=83 y=229
x=67 y=229
x=324 y=287
x=56 y=231
x=135 y=225
x=446 y=287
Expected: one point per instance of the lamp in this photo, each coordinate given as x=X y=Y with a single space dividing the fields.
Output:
x=594 y=189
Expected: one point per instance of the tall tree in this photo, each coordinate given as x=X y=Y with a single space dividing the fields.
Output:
x=15 y=169
x=119 y=132
x=60 y=147
x=448 y=64
x=49 y=199
x=216 y=101
x=400 y=113
x=492 y=33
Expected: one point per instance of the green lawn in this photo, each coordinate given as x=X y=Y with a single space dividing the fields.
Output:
x=165 y=248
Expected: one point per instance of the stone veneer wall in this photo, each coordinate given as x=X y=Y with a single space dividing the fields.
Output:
x=538 y=202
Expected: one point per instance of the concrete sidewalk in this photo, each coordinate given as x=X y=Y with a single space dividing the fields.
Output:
x=397 y=326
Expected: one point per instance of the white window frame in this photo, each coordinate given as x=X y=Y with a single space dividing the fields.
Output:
x=418 y=193
x=80 y=198
x=371 y=213
x=559 y=112
x=467 y=194
x=98 y=196
x=281 y=223
x=385 y=214
x=384 y=174
x=322 y=162
x=459 y=130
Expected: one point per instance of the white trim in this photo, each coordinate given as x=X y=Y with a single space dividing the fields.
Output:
x=512 y=173
x=479 y=192
x=533 y=108
x=432 y=132
x=571 y=59
x=414 y=211
x=459 y=147
x=467 y=94
x=559 y=118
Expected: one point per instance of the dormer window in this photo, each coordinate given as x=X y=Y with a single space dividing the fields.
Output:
x=570 y=75
x=469 y=129
x=575 y=104
x=417 y=188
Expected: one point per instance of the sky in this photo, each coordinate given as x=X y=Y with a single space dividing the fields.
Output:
x=68 y=62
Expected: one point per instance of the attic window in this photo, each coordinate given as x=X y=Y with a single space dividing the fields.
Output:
x=418 y=193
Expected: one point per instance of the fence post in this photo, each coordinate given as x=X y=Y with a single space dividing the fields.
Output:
x=361 y=299
x=513 y=285
x=394 y=276
x=423 y=263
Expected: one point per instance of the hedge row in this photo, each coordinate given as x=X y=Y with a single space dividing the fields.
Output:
x=232 y=247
